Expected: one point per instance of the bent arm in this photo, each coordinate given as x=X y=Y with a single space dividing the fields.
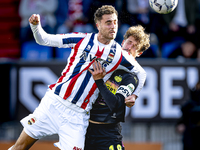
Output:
x=113 y=101
x=129 y=64
x=43 y=38
x=141 y=74
x=54 y=40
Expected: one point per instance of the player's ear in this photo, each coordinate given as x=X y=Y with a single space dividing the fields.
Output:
x=140 y=53
x=122 y=43
x=97 y=25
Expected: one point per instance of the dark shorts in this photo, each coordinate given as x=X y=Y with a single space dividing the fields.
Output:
x=104 y=137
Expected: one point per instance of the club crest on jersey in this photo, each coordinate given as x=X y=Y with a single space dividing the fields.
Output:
x=118 y=78
x=32 y=121
x=110 y=57
x=111 y=54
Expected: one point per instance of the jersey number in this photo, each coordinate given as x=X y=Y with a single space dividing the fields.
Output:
x=119 y=147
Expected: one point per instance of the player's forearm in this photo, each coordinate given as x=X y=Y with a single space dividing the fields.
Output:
x=141 y=77
x=113 y=101
x=44 y=38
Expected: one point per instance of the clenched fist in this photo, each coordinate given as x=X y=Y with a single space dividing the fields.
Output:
x=34 y=19
x=130 y=100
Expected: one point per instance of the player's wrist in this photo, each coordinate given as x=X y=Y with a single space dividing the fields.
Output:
x=99 y=81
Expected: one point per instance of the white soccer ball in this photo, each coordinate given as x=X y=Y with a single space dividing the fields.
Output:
x=163 y=6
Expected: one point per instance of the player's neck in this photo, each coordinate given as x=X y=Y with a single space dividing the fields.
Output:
x=103 y=40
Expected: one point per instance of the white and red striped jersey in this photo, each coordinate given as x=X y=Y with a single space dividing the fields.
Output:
x=76 y=84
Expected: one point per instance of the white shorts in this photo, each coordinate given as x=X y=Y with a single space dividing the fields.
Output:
x=52 y=117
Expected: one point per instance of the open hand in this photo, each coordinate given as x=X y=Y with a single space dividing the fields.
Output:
x=99 y=72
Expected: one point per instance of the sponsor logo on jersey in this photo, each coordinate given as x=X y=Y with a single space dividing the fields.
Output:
x=124 y=90
x=88 y=47
x=84 y=55
x=131 y=87
x=32 y=121
x=136 y=80
x=118 y=78
x=111 y=86
x=114 y=115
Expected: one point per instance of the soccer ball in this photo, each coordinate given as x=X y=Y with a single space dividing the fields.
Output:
x=163 y=6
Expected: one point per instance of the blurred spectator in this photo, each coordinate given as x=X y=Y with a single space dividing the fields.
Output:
x=46 y=9
x=187 y=50
x=95 y=4
x=61 y=12
x=77 y=17
x=132 y=12
x=189 y=124
x=143 y=12
x=197 y=25
x=198 y=54
x=180 y=22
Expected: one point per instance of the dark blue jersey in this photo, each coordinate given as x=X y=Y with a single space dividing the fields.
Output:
x=110 y=105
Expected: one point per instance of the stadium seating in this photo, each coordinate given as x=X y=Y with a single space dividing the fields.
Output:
x=33 y=51
x=9 y=29
x=62 y=53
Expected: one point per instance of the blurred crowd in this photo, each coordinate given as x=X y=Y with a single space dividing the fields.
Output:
x=189 y=124
x=174 y=35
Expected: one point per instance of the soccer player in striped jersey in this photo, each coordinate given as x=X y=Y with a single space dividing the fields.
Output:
x=104 y=130
x=64 y=110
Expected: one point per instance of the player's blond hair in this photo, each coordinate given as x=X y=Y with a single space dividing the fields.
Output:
x=140 y=36
x=105 y=9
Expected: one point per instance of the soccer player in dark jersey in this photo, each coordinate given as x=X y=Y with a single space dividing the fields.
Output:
x=104 y=131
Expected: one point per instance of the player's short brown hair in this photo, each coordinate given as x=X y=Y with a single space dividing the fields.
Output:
x=105 y=9
x=140 y=36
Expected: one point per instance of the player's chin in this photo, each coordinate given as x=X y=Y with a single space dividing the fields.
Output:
x=112 y=36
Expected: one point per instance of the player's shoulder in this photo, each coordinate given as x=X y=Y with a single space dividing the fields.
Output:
x=139 y=67
x=126 y=77
x=124 y=73
x=129 y=75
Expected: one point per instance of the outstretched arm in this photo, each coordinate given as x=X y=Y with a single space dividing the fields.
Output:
x=54 y=40
x=41 y=37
